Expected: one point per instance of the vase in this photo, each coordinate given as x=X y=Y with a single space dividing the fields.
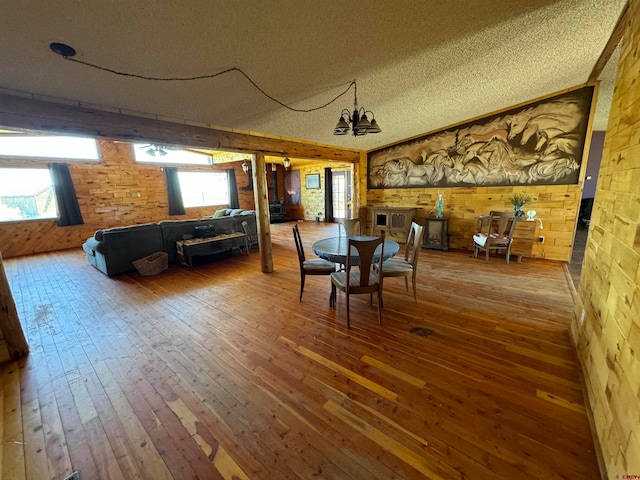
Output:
x=519 y=211
x=439 y=206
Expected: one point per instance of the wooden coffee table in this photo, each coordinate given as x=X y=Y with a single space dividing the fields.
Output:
x=202 y=247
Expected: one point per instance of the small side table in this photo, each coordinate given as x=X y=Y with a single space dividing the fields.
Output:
x=436 y=234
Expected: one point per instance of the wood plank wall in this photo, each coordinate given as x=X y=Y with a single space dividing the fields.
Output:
x=107 y=193
x=312 y=199
x=606 y=329
x=557 y=206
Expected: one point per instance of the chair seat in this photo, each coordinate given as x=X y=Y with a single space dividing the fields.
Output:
x=396 y=265
x=494 y=239
x=340 y=280
x=318 y=264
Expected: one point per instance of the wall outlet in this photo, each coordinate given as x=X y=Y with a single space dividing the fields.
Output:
x=541 y=239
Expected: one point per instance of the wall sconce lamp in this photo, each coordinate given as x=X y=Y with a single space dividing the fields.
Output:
x=245 y=167
x=287 y=163
x=358 y=120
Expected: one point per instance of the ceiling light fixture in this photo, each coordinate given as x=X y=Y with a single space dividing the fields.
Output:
x=159 y=149
x=287 y=163
x=245 y=167
x=358 y=119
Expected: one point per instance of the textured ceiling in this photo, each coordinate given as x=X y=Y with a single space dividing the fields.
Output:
x=419 y=65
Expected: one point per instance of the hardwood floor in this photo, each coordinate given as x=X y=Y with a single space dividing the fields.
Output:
x=220 y=372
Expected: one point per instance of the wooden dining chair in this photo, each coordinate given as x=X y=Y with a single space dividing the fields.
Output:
x=494 y=233
x=315 y=266
x=408 y=266
x=362 y=279
x=350 y=226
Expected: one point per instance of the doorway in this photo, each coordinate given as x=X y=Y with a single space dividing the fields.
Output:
x=342 y=191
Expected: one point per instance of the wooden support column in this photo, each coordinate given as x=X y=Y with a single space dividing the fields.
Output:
x=261 y=199
x=13 y=344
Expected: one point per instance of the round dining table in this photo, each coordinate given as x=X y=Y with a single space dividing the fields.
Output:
x=334 y=249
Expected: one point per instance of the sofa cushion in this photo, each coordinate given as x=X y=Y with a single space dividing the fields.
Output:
x=236 y=211
x=99 y=235
x=219 y=213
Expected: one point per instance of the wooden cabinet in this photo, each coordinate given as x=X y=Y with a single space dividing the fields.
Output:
x=524 y=237
x=395 y=221
x=436 y=233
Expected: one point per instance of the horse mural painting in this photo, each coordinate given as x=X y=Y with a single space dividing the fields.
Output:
x=537 y=144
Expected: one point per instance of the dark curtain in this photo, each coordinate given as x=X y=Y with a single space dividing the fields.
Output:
x=234 y=201
x=292 y=187
x=176 y=207
x=66 y=200
x=274 y=186
x=328 y=195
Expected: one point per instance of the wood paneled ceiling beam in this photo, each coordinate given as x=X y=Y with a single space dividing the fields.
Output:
x=610 y=47
x=41 y=116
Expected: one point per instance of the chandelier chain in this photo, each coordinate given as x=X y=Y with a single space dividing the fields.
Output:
x=213 y=75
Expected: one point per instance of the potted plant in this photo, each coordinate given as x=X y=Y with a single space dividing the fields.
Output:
x=519 y=200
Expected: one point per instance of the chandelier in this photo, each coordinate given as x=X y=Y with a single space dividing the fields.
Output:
x=358 y=120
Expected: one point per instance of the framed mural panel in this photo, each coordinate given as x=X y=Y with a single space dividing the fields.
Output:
x=540 y=143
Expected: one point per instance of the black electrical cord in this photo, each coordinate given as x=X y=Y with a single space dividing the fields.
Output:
x=68 y=52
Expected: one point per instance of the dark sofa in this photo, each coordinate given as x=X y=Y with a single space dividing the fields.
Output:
x=113 y=250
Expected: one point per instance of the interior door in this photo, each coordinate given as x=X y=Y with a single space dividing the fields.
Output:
x=341 y=180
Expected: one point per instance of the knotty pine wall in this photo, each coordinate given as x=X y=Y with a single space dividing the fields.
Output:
x=607 y=337
x=312 y=199
x=106 y=193
x=557 y=206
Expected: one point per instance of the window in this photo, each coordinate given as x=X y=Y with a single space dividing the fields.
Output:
x=26 y=193
x=200 y=189
x=152 y=153
x=70 y=148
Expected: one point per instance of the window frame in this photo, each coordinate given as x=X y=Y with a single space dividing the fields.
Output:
x=221 y=173
x=43 y=156
x=51 y=200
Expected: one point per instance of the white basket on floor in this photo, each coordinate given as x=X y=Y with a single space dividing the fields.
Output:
x=153 y=264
